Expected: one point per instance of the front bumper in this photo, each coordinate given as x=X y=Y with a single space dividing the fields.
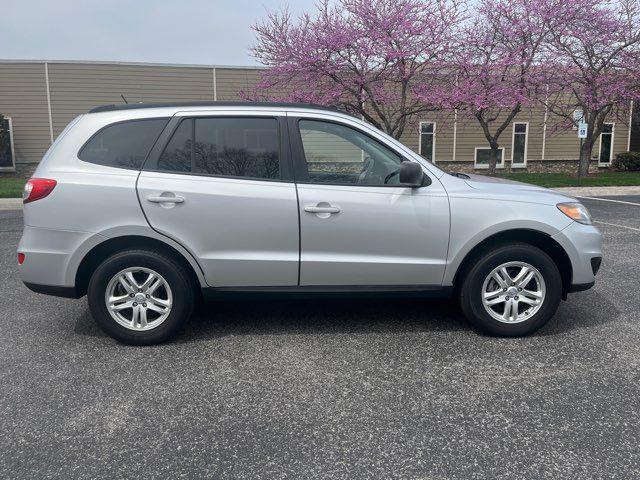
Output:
x=583 y=244
x=580 y=287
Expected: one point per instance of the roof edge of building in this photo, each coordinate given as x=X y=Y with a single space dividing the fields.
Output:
x=124 y=63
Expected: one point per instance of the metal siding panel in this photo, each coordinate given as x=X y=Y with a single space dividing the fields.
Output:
x=23 y=98
x=76 y=88
x=231 y=82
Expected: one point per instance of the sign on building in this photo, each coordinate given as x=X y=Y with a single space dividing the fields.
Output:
x=582 y=130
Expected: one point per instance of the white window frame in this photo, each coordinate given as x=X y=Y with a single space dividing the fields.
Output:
x=613 y=132
x=13 y=151
x=475 y=158
x=433 y=144
x=526 y=144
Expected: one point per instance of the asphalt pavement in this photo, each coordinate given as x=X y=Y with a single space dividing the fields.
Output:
x=350 y=388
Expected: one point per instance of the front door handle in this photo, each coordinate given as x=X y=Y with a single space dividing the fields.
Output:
x=321 y=209
x=165 y=197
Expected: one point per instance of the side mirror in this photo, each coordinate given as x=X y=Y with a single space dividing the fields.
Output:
x=411 y=174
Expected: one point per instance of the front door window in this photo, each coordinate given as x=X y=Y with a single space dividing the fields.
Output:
x=338 y=154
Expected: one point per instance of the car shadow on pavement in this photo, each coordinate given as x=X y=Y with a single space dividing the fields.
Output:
x=214 y=319
x=327 y=315
x=260 y=316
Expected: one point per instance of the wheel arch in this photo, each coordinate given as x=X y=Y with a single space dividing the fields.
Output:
x=103 y=250
x=535 y=238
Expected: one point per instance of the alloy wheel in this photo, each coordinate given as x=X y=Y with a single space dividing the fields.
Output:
x=513 y=292
x=138 y=298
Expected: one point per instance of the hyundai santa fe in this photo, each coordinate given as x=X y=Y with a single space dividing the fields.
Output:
x=146 y=209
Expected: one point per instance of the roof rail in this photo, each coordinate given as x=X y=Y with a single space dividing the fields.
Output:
x=135 y=106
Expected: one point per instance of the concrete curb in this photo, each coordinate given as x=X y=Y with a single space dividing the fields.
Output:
x=10 y=204
x=599 y=191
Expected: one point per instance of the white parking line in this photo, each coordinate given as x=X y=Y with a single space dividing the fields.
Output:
x=610 y=200
x=616 y=225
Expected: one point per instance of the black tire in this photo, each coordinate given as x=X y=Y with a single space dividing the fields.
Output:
x=174 y=274
x=471 y=289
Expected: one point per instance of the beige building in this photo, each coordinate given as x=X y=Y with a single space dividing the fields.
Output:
x=39 y=98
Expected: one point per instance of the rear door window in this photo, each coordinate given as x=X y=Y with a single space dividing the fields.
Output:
x=224 y=147
x=124 y=144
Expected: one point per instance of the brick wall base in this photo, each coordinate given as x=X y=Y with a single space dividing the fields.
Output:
x=533 y=166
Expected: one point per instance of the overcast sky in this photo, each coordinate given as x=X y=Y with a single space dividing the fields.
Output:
x=165 y=31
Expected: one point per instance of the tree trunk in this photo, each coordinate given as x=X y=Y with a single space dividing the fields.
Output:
x=585 y=157
x=494 y=153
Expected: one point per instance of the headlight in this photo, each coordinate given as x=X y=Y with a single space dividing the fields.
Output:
x=576 y=211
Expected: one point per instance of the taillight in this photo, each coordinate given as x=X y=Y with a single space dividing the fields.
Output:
x=21 y=257
x=37 y=188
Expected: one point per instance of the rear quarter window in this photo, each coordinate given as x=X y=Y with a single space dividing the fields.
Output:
x=124 y=144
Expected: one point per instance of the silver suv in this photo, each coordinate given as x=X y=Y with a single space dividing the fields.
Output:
x=146 y=209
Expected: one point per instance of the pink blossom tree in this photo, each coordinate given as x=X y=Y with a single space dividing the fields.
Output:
x=594 y=66
x=497 y=64
x=383 y=60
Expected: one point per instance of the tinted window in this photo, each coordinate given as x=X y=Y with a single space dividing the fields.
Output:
x=229 y=147
x=237 y=147
x=177 y=154
x=124 y=144
x=339 y=154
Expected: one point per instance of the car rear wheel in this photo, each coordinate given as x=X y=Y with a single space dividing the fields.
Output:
x=140 y=297
x=512 y=290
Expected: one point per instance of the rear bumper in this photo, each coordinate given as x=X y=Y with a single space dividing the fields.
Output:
x=52 y=257
x=56 y=291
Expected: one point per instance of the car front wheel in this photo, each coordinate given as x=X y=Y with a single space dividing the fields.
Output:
x=512 y=290
x=140 y=297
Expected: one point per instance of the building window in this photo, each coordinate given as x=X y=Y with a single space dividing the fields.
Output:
x=7 y=157
x=482 y=157
x=606 y=144
x=428 y=140
x=519 y=144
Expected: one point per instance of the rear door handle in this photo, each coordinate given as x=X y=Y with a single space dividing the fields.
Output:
x=318 y=209
x=165 y=197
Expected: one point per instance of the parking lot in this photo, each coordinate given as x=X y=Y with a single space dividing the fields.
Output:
x=348 y=388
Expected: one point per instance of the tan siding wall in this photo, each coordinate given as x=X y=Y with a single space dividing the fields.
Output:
x=76 y=88
x=620 y=138
x=331 y=147
x=23 y=97
x=443 y=136
x=535 y=117
x=231 y=81
x=563 y=144
x=470 y=136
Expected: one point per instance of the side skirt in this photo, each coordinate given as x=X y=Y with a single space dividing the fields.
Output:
x=313 y=291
